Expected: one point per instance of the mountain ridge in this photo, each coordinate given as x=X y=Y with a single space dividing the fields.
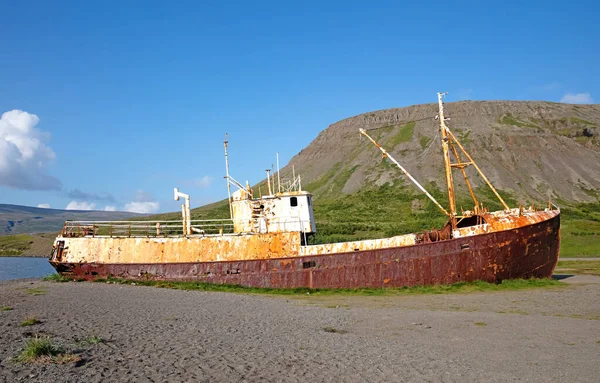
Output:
x=19 y=219
x=522 y=146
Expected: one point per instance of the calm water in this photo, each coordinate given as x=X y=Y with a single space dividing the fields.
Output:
x=24 y=267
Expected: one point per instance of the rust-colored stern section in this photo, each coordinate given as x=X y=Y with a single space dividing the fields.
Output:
x=525 y=252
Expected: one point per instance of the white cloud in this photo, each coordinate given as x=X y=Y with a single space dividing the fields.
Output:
x=143 y=203
x=44 y=205
x=204 y=182
x=23 y=154
x=110 y=208
x=142 y=207
x=81 y=205
x=577 y=98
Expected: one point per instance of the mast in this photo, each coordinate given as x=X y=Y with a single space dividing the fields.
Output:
x=225 y=143
x=447 y=164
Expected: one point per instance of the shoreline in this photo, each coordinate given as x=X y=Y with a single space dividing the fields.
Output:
x=148 y=333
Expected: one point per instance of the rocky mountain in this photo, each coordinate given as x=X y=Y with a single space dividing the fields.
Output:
x=530 y=150
x=16 y=219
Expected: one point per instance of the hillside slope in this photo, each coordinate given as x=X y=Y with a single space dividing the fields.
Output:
x=16 y=219
x=532 y=150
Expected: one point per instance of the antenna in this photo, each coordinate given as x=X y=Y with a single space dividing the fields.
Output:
x=273 y=177
x=225 y=144
x=269 y=181
x=293 y=174
x=278 y=179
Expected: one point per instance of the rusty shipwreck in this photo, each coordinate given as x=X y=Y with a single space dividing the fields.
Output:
x=264 y=244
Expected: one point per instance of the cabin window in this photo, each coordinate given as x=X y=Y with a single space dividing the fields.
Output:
x=294 y=201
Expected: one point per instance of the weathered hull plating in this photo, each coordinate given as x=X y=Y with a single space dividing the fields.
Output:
x=524 y=252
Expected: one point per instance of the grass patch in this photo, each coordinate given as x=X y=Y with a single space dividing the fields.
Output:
x=575 y=120
x=37 y=291
x=509 y=119
x=578 y=267
x=317 y=184
x=56 y=278
x=11 y=245
x=6 y=308
x=579 y=237
x=404 y=134
x=480 y=324
x=91 y=340
x=462 y=287
x=30 y=321
x=424 y=141
x=334 y=330
x=42 y=350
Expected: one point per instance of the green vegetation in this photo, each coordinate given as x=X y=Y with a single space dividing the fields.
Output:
x=462 y=287
x=56 y=278
x=509 y=119
x=37 y=291
x=11 y=245
x=480 y=324
x=575 y=120
x=42 y=350
x=316 y=185
x=424 y=141
x=404 y=134
x=578 y=267
x=30 y=321
x=91 y=340
x=374 y=213
x=580 y=230
x=463 y=136
x=6 y=308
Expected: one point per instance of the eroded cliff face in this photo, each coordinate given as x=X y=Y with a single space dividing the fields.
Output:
x=529 y=149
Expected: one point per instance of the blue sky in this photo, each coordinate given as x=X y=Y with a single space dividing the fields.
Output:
x=133 y=98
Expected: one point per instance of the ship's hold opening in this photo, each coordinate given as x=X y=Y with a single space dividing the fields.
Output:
x=471 y=221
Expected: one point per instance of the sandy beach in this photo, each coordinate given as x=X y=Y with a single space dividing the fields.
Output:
x=156 y=335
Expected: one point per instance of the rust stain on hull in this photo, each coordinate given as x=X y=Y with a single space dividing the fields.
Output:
x=527 y=251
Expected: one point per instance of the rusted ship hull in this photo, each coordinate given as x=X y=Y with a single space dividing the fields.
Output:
x=524 y=252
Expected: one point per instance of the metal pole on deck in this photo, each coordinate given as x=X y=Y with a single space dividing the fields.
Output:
x=278 y=179
x=225 y=144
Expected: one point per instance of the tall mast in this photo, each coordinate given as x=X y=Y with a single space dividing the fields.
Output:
x=447 y=164
x=225 y=143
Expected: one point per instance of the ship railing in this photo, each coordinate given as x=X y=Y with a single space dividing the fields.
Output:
x=144 y=228
x=177 y=228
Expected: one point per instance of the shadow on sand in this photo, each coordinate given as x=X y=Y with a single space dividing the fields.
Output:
x=560 y=277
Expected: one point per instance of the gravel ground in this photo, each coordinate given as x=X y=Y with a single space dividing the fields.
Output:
x=162 y=335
